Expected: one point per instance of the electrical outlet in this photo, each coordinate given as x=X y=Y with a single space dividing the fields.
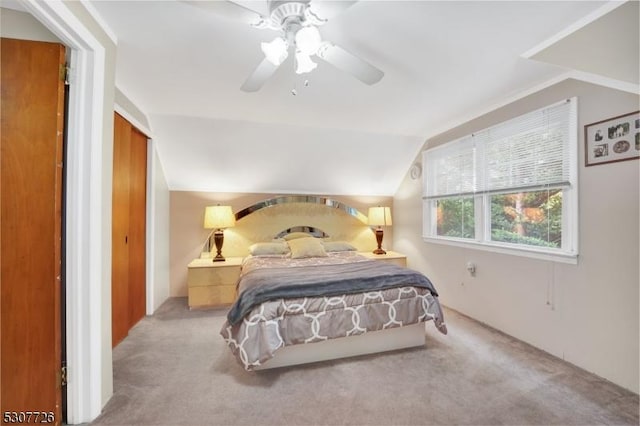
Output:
x=471 y=267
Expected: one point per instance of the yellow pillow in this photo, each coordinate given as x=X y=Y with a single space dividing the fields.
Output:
x=306 y=247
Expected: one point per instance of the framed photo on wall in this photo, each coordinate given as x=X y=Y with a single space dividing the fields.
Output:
x=611 y=140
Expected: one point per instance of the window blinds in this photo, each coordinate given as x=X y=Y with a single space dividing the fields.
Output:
x=451 y=169
x=529 y=152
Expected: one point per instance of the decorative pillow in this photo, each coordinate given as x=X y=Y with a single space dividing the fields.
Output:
x=306 y=247
x=295 y=235
x=262 y=249
x=338 y=246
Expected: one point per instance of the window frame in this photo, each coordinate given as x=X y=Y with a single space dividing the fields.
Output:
x=568 y=250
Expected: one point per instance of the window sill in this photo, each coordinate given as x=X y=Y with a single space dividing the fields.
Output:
x=503 y=249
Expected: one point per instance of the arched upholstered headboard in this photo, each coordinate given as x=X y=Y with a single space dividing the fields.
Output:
x=264 y=220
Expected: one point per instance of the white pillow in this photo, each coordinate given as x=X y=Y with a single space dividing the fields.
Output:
x=262 y=249
x=306 y=247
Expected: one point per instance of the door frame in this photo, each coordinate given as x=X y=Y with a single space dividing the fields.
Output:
x=85 y=239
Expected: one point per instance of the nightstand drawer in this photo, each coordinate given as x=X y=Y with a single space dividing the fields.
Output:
x=390 y=257
x=400 y=261
x=212 y=295
x=203 y=277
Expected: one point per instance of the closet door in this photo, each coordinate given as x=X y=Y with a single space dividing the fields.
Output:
x=30 y=215
x=128 y=275
x=120 y=323
x=137 y=226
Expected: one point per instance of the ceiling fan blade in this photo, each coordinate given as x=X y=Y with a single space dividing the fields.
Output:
x=228 y=9
x=326 y=10
x=260 y=75
x=345 y=61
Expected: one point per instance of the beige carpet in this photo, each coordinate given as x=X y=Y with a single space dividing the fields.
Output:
x=174 y=369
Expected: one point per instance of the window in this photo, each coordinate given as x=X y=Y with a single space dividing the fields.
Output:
x=510 y=187
x=455 y=217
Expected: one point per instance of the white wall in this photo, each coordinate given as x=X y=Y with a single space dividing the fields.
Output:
x=587 y=313
x=23 y=26
x=590 y=49
x=158 y=241
x=211 y=155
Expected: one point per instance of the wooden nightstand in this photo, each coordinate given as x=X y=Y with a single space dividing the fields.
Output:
x=391 y=257
x=213 y=283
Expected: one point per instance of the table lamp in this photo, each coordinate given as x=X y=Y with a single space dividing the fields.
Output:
x=218 y=218
x=379 y=216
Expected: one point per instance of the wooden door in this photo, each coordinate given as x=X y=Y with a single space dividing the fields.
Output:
x=30 y=215
x=128 y=293
x=120 y=323
x=137 y=226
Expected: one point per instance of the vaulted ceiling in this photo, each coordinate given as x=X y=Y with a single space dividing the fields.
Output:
x=443 y=61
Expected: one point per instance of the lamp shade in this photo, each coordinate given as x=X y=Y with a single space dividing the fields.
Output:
x=380 y=216
x=219 y=217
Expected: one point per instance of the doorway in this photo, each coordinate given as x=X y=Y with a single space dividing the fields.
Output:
x=87 y=239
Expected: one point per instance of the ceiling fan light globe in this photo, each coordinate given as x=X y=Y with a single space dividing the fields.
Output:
x=304 y=64
x=275 y=51
x=308 y=40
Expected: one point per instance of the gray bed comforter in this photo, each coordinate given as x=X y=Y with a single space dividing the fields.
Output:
x=261 y=285
x=335 y=297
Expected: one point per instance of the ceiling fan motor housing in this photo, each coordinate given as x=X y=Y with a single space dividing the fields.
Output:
x=284 y=13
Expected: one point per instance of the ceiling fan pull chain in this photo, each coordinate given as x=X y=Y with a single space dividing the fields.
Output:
x=294 y=92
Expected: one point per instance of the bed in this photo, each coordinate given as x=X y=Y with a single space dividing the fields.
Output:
x=308 y=300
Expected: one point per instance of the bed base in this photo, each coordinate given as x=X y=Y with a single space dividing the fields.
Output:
x=373 y=342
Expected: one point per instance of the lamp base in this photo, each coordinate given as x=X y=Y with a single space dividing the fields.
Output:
x=218 y=239
x=379 y=236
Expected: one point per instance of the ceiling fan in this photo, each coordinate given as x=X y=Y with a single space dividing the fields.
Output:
x=297 y=22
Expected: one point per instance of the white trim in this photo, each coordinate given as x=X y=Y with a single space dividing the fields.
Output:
x=496 y=248
x=131 y=119
x=84 y=209
x=570 y=203
x=150 y=227
x=611 y=83
x=99 y=20
x=579 y=24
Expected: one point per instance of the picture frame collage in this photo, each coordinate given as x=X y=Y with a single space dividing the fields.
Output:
x=612 y=140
